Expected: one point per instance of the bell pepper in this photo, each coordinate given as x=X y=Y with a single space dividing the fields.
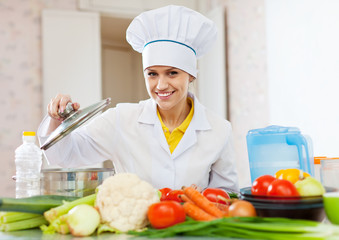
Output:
x=291 y=174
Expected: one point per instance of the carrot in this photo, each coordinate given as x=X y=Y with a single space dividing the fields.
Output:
x=184 y=198
x=197 y=213
x=202 y=202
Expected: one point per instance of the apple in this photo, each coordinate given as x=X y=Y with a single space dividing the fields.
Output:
x=309 y=187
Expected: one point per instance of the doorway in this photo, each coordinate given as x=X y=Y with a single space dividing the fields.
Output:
x=122 y=75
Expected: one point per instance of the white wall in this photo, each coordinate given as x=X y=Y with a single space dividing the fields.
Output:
x=20 y=77
x=303 y=69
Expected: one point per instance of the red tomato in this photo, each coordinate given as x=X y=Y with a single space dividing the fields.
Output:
x=164 y=192
x=174 y=195
x=282 y=187
x=260 y=185
x=165 y=214
x=212 y=195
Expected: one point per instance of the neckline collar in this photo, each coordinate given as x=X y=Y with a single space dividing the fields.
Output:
x=199 y=120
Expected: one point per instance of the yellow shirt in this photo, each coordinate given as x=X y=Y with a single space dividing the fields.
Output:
x=176 y=135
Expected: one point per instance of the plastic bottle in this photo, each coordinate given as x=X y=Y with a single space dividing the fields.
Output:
x=28 y=161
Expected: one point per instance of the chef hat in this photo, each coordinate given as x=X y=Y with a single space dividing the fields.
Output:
x=172 y=36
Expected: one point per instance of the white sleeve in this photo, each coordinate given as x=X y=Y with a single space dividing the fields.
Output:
x=43 y=127
x=76 y=149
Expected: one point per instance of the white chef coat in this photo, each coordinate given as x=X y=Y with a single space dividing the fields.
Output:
x=132 y=137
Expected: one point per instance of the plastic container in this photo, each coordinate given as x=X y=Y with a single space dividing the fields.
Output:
x=329 y=172
x=28 y=161
x=317 y=167
x=275 y=147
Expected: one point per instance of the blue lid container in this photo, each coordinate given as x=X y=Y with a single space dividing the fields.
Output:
x=276 y=147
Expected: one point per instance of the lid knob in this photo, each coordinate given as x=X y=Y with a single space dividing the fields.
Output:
x=68 y=110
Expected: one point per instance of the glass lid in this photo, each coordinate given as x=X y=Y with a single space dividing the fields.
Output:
x=73 y=120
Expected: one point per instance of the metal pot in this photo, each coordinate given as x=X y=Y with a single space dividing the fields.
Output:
x=73 y=182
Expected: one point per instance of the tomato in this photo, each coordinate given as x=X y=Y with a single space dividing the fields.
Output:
x=164 y=192
x=174 y=195
x=260 y=185
x=165 y=214
x=282 y=187
x=212 y=195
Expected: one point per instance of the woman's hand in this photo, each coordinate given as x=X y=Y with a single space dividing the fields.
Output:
x=56 y=105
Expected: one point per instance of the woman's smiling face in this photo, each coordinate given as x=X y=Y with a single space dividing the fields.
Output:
x=168 y=86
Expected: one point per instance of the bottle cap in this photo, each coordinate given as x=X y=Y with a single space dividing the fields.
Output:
x=317 y=159
x=73 y=121
x=28 y=133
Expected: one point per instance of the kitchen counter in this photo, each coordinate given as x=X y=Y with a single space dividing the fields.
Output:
x=37 y=234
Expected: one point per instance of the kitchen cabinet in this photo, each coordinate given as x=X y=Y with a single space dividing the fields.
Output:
x=71 y=56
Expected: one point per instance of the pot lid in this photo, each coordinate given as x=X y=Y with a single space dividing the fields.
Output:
x=73 y=119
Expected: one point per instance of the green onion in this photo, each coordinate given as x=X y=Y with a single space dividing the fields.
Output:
x=8 y=217
x=59 y=225
x=54 y=213
x=34 y=204
x=24 y=224
x=247 y=227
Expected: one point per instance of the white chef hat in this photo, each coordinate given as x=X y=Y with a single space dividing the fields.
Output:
x=172 y=36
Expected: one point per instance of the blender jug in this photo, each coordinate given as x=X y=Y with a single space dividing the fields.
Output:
x=275 y=147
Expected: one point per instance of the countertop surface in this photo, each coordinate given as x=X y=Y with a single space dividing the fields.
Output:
x=37 y=234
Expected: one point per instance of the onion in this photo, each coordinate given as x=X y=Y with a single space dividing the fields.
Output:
x=242 y=208
x=82 y=220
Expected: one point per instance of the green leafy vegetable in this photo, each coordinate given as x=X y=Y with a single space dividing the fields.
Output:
x=233 y=195
x=247 y=227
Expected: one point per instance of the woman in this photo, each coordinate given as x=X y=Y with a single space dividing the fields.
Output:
x=169 y=140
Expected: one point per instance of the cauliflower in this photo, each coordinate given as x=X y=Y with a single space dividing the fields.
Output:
x=123 y=201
